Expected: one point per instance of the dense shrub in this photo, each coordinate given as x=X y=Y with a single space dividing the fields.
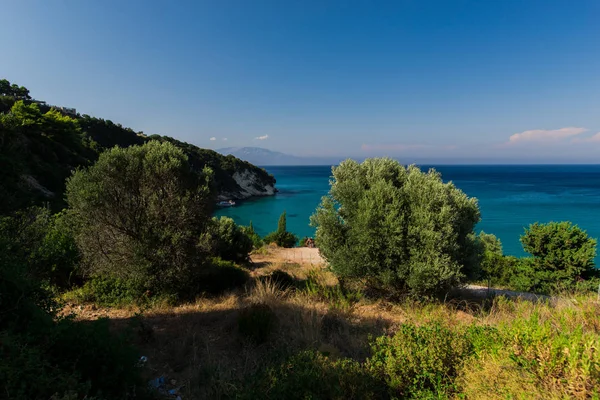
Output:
x=107 y=291
x=257 y=241
x=496 y=268
x=398 y=228
x=46 y=244
x=423 y=360
x=138 y=214
x=310 y=375
x=281 y=236
x=43 y=355
x=257 y=322
x=563 y=254
x=228 y=240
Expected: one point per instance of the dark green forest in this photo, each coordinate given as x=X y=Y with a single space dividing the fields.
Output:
x=40 y=147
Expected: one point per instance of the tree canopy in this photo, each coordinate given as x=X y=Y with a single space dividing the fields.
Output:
x=139 y=213
x=562 y=254
x=15 y=91
x=396 y=227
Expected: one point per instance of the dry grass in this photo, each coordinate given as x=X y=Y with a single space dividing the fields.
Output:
x=198 y=344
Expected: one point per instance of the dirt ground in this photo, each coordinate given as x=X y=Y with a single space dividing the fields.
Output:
x=297 y=255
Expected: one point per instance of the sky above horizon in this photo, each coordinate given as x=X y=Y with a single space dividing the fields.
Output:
x=502 y=81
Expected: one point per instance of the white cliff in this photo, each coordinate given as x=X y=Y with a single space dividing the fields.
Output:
x=250 y=184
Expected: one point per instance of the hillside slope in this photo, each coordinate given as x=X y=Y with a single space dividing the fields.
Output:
x=40 y=146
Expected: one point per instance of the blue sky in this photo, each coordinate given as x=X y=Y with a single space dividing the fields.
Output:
x=457 y=81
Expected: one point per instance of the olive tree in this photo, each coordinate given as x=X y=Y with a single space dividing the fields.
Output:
x=396 y=228
x=138 y=214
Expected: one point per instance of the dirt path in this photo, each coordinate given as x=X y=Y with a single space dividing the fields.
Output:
x=296 y=255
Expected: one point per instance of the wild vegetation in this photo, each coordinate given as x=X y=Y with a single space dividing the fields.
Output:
x=40 y=147
x=398 y=229
x=134 y=240
x=281 y=236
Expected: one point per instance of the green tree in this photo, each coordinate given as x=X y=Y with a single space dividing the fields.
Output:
x=562 y=254
x=228 y=240
x=397 y=228
x=15 y=91
x=494 y=267
x=138 y=214
x=281 y=236
x=5 y=89
x=45 y=241
x=255 y=237
x=282 y=223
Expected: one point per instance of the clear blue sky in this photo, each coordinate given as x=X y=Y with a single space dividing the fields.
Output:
x=440 y=80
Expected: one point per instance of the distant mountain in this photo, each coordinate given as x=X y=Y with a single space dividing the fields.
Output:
x=260 y=156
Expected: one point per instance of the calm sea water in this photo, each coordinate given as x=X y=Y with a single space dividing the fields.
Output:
x=510 y=198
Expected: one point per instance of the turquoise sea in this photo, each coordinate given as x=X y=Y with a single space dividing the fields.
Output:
x=510 y=198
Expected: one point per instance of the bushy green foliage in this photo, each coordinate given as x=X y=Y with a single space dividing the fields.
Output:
x=311 y=375
x=44 y=355
x=107 y=291
x=257 y=322
x=562 y=259
x=544 y=354
x=496 y=268
x=228 y=240
x=38 y=151
x=46 y=242
x=257 y=241
x=15 y=91
x=282 y=222
x=281 y=236
x=425 y=360
x=562 y=254
x=396 y=227
x=138 y=214
x=282 y=239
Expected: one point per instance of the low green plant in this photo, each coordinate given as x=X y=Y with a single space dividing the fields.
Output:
x=257 y=322
x=107 y=291
x=540 y=358
x=311 y=375
x=336 y=296
x=222 y=275
x=424 y=360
